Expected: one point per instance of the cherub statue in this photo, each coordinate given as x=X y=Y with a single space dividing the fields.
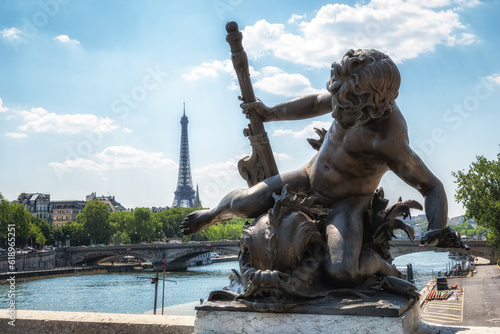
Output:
x=367 y=138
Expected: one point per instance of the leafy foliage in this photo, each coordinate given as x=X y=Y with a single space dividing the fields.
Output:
x=478 y=190
x=28 y=228
x=94 y=220
x=466 y=229
x=231 y=230
x=97 y=225
x=121 y=238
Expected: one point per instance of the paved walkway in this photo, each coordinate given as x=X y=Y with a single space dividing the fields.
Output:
x=477 y=310
x=482 y=297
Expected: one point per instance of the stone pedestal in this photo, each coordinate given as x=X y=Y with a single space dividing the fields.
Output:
x=384 y=315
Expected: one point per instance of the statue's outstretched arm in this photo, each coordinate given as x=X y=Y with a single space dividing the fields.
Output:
x=300 y=108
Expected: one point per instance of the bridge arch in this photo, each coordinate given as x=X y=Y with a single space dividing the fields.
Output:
x=93 y=258
x=176 y=255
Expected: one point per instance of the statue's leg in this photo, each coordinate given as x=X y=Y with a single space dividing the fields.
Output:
x=346 y=264
x=245 y=203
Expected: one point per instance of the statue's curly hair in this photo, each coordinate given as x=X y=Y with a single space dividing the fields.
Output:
x=367 y=80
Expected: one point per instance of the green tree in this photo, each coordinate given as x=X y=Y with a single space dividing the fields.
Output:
x=4 y=214
x=16 y=214
x=143 y=225
x=121 y=221
x=94 y=219
x=231 y=230
x=75 y=231
x=46 y=229
x=121 y=238
x=35 y=234
x=478 y=190
x=169 y=221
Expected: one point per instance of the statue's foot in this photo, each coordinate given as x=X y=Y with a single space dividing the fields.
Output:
x=398 y=286
x=196 y=222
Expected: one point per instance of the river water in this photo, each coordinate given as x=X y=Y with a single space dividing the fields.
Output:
x=133 y=292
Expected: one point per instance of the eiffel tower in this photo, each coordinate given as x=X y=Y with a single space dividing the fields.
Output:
x=185 y=196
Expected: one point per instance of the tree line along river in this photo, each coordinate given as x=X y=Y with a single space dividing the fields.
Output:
x=133 y=292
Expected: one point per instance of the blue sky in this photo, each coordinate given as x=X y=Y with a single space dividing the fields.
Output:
x=92 y=91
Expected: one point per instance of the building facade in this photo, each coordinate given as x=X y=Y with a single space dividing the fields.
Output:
x=65 y=211
x=109 y=200
x=37 y=204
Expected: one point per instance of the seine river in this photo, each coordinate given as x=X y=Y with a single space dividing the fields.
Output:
x=133 y=292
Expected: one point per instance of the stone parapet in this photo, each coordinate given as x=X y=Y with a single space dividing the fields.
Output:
x=226 y=322
x=28 y=321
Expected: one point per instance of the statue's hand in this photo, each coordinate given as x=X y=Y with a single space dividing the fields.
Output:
x=196 y=222
x=258 y=106
x=444 y=238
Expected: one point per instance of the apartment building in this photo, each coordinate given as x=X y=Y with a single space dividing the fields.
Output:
x=65 y=211
x=37 y=204
x=109 y=200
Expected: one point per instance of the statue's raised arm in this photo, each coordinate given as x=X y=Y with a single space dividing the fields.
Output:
x=303 y=107
x=261 y=164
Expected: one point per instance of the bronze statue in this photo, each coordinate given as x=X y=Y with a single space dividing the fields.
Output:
x=330 y=229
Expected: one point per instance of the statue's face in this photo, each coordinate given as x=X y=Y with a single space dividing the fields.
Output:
x=348 y=118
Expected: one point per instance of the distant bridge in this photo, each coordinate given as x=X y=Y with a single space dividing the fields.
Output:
x=478 y=248
x=176 y=255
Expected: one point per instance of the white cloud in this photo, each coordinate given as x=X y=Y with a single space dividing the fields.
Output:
x=269 y=71
x=287 y=84
x=494 y=78
x=11 y=33
x=270 y=79
x=86 y=164
x=121 y=157
x=127 y=130
x=402 y=29
x=295 y=18
x=223 y=170
x=117 y=157
x=281 y=156
x=15 y=135
x=467 y=39
x=216 y=180
x=209 y=69
x=431 y=3
x=40 y=120
x=2 y=107
x=66 y=40
x=233 y=86
x=463 y=4
x=307 y=132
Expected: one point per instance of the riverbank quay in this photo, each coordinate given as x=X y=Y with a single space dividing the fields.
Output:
x=224 y=258
x=50 y=273
x=475 y=310
x=28 y=321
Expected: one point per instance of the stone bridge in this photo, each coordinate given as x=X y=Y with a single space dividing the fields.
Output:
x=176 y=255
x=478 y=248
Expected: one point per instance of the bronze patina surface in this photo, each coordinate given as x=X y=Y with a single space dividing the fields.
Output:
x=324 y=230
